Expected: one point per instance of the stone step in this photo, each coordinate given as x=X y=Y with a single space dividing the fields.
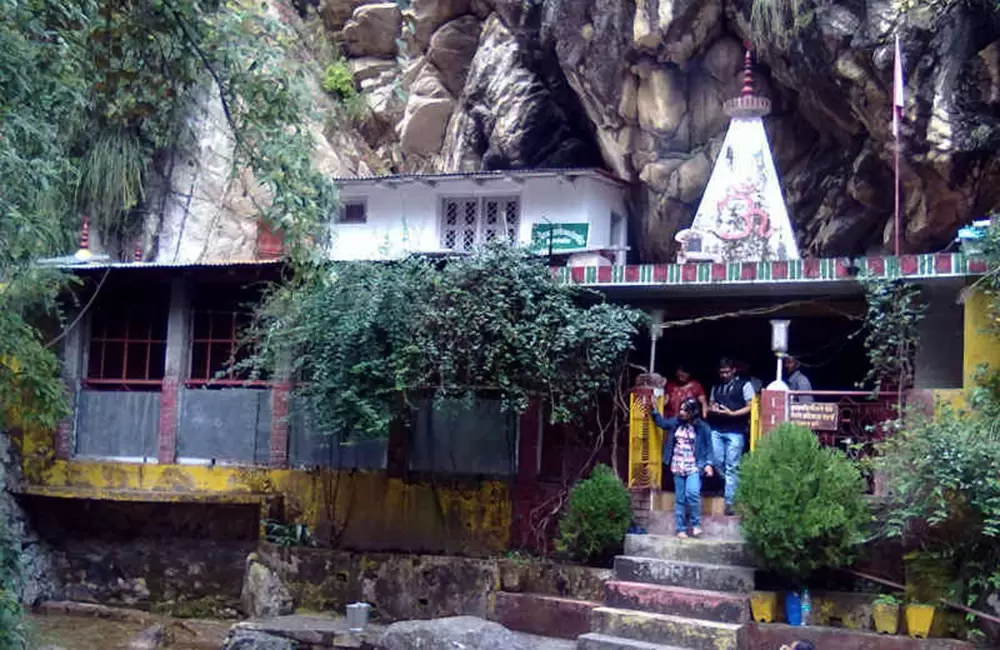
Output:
x=710 y=504
x=706 y=551
x=594 y=641
x=713 y=526
x=552 y=616
x=711 y=577
x=678 y=601
x=665 y=629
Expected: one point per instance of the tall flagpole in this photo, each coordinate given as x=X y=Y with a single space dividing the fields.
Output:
x=897 y=111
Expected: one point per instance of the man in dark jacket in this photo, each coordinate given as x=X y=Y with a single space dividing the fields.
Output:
x=687 y=452
x=729 y=407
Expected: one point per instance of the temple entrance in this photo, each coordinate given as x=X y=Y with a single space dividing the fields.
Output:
x=823 y=335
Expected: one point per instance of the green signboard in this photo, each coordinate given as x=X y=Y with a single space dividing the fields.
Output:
x=559 y=236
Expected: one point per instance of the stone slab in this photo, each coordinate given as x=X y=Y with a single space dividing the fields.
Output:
x=594 y=641
x=678 y=601
x=684 y=574
x=767 y=637
x=705 y=551
x=552 y=616
x=667 y=630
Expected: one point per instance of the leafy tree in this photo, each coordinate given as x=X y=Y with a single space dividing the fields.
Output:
x=95 y=95
x=891 y=331
x=365 y=335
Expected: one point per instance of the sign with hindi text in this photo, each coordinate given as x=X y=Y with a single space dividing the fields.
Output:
x=559 y=236
x=818 y=416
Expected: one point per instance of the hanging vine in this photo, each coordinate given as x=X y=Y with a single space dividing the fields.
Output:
x=363 y=335
x=891 y=331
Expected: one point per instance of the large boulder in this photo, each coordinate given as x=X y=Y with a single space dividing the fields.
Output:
x=511 y=114
x=373 y=30
x=263 y=594
x=428 y=15
x=451 y=50
x=450 y=634
x=239 y=639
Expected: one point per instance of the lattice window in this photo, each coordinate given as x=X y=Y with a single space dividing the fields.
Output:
x=467 y=223
x=128 y=340
x=217 y=338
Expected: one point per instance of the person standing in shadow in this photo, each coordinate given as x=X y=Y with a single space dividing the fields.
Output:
x=729 y=416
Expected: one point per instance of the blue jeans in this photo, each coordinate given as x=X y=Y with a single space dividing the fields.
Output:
x=687 y=501
x=727 y=449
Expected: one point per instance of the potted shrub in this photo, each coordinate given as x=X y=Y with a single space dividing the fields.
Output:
x=919 y=618
x=802 y=508
x=885 y=611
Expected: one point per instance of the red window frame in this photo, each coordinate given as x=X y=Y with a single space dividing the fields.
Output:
x=217 y=342
x=131 y=324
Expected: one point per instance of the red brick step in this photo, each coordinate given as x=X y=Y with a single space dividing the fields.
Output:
x=718 y=606
x=554 y=616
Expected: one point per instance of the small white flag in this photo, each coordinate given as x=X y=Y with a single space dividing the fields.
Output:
x=897 y=92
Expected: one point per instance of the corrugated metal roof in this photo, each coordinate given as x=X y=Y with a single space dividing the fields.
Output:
x=70 y=263
x=485 y=174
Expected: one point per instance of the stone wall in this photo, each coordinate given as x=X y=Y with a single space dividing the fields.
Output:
x=38 y=580
x=181 y=559
x=401 y=587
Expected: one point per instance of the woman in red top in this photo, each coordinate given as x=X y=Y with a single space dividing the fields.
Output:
x=682 y=388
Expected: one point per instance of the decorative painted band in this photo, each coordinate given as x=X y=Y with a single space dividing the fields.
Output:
x=804 y=270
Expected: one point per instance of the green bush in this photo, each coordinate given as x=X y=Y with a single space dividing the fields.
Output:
x=338 y=80
x=943 y=482
x=802 y=505
x=594 y=523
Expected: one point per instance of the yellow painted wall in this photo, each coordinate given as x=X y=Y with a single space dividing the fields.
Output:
x=981 y=345
x=363 y=510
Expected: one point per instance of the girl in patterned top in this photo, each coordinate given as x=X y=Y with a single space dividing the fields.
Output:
x=687 y=453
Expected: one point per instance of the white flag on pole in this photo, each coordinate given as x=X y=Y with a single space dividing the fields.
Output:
x=897 y=92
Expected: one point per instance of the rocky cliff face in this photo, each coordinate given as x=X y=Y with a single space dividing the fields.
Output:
x=637 y=86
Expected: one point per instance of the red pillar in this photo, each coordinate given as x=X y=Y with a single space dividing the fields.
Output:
x=280 y=395
x=526 y=478
x=772 y=409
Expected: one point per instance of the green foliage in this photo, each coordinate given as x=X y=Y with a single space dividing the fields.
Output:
x=777 y=20
x=943 y=479
x=338 y=80
x=891 y=331
x=990 y=283
x=888 y=599
x=802 y=505
x=361 y=335
x=595 y=520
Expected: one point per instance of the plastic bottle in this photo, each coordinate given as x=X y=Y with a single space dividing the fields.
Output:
x=806 y=606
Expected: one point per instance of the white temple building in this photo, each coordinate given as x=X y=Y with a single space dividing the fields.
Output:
x=742 y=216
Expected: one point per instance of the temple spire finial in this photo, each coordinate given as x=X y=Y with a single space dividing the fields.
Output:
x=748 y=85
x=83 y=253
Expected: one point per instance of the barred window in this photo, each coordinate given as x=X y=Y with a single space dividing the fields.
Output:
x=220 y=320
x=470 y=222
x=128 y=339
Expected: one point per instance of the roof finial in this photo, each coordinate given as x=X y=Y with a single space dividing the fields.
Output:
x=83 y=254
x=748 y=89
x=85 y=234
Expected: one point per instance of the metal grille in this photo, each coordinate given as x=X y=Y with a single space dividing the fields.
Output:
x=467 y=223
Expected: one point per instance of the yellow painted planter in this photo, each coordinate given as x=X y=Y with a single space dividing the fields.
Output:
x=919 y=619
x=763 y=606
x=886 y=618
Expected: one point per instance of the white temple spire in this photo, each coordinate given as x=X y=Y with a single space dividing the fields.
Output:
x=742 y=215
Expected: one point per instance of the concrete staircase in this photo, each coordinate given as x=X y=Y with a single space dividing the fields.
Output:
x=672 y=594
